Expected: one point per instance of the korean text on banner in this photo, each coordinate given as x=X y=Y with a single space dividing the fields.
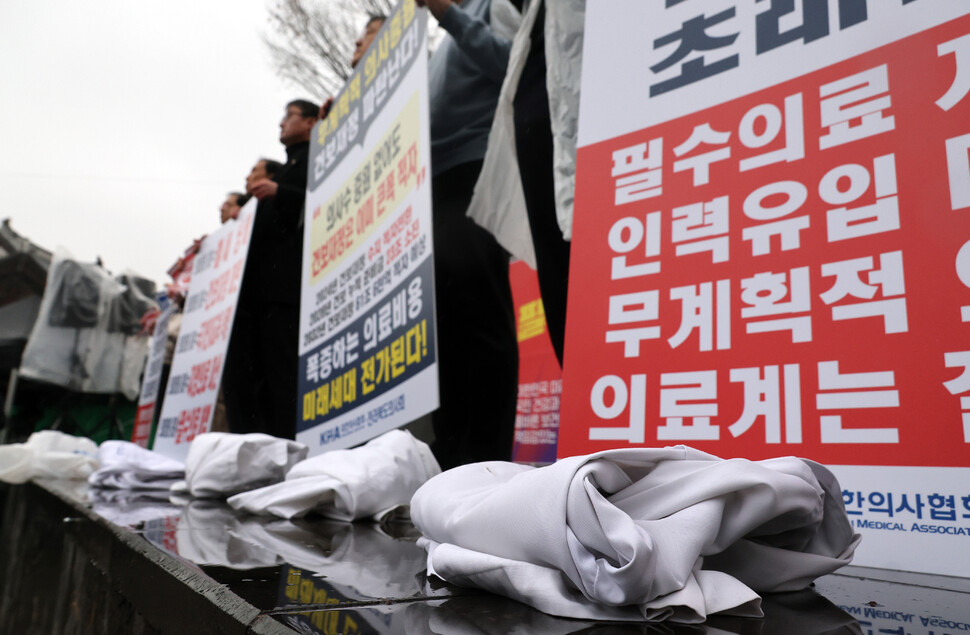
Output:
x=193 y=383
x=771 y=250
x=367 y=331
x=151 y=381
x=540 y=378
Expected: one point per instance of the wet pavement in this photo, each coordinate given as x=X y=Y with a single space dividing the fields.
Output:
x=319 y=576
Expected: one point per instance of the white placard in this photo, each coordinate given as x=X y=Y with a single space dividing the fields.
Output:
x=193 y=383
x=367 y=338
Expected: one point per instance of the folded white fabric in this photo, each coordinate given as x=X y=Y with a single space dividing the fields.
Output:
x=657 y=534
x=126 y=465
x=48 y=454
x=222 y=464
x=369 y=481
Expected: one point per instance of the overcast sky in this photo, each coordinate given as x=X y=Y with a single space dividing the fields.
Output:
x=124 y=123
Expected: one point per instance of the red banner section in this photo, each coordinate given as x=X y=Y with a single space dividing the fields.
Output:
x=785 y=273
x=540 y=379
x=142 y=430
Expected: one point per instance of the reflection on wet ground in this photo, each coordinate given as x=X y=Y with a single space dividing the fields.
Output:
x=321 y=576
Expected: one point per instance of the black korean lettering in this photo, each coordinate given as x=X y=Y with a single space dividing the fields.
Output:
x=815 y=21
x=693 y=37
x=362 y=183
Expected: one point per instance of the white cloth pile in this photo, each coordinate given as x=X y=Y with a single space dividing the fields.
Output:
x=48 y=454
x=370 y=481
x=128 y=466
x=222 y=464
x=636 y=534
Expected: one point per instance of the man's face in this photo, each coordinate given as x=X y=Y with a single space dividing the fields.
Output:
x=364 y=41
x=257 y=173
x=294 y=127
x=230 y=208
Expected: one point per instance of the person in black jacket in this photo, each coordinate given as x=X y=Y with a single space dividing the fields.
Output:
x=260 y=377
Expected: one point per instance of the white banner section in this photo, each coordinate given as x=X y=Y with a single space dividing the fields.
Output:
x=911 y=518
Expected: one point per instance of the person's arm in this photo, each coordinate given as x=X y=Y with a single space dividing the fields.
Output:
x=473 y=36
x=290 y=198
x=288 y=195
x=264 y=188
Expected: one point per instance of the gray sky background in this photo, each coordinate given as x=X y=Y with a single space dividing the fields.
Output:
x=124 y=123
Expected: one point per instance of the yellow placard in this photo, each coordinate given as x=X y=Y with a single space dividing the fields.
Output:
x=375 y=190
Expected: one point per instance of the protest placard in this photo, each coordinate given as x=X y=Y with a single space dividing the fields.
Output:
x=771 y=250
x=367 y=333
x=151 y=383
x=210 y=306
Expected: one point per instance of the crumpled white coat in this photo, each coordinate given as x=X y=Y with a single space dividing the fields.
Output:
x=498 y=203
x=48 y=454
x=126 y=465
x=636 y=534
x=222 y=464
x=369 y=481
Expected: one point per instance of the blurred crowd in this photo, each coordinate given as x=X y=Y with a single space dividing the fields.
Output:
x=477 y=347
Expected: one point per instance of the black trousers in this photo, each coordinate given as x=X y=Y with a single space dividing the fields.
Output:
x=259 y=380
x=478 y=356
x=533 y=144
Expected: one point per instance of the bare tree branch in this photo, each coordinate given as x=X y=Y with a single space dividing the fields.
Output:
x=312 y=41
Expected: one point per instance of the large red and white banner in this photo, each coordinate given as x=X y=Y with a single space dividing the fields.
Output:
x=771 y=250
